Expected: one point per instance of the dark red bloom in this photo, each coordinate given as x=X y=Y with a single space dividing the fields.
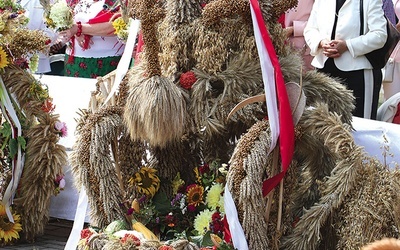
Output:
x=47 y=42
x=204 y=169
x=187 y=80
x=114 y=63
x=191 y=208
x=76 y=74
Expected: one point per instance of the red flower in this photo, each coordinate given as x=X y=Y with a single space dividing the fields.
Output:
x=76 y=74
x=100 y=64
x=86 y=233
x=165 y=248
x=130 y=238
x=48 y=106
x=47 y=42
x=191 y=208
x=114 y=63
x=93 y=76
x=204 y=169
x=82 y=65
x=187 y=80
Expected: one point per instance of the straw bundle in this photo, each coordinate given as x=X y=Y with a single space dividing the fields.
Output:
x=155 y=110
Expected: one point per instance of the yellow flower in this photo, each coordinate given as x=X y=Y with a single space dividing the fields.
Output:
x=3 y=58
x=214 y=195
x=195 y=194
x=197 y=173
x=202 y=221
x=119 y=25
x=146 y=181
x=177 y=182
x=9 y=230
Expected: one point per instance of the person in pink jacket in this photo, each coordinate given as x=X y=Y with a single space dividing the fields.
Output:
x=392 y=88
x=295 y=21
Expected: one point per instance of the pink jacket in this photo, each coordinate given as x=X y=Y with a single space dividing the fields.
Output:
x=297 y=17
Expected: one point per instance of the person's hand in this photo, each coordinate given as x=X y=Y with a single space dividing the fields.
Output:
x=84 y=41
x=56 y=47
x=66 y=35
x=340 y=46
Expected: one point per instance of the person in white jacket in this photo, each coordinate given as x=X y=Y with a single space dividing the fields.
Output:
x=333 y=35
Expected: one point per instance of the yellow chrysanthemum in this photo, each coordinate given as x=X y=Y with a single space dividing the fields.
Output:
x=9 y=230
x=146 y=181
x=119 y=25
x=202 y=221
x=214 y=196
x=195 y=194
x=3 y=58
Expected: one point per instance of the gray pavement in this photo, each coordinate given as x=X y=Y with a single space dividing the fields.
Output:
x=54 y=238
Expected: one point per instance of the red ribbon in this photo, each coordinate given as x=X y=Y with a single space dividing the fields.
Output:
x=286 y=141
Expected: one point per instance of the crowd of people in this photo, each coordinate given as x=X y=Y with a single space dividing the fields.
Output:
x=324 y=32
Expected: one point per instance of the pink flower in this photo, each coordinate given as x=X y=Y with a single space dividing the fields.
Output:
x=62 y=127
x=62 y=184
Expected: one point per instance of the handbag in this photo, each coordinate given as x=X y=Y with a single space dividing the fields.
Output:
x=379 y=57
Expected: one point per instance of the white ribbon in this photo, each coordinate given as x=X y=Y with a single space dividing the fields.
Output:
x=18 y=165
x=235 y=228
x=79 y=220
x=125 y=61
x=268 y=75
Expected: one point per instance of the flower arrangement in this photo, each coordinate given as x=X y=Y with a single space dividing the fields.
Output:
x=121 y=29
x=194 y=215
x=59 y=16
x=196 y=210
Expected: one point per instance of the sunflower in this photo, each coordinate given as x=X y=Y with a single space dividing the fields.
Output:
x=3 y=58
x=9 y=230
x=146 y=181
x=195 y=194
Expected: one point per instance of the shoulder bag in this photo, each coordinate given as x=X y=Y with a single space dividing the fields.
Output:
x=379 y=57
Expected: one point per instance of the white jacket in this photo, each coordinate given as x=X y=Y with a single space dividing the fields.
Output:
x=320 y=26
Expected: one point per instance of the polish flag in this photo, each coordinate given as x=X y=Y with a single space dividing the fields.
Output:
x=279 y=117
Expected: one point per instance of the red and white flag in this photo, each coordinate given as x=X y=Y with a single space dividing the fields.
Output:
x=279 y=117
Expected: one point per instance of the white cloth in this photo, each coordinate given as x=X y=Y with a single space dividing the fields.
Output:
x=375 y=136
x=388 y=109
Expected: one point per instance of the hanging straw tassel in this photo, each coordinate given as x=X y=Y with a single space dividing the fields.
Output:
x=155 y=110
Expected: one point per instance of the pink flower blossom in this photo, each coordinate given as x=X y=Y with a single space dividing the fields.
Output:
x=62 y=127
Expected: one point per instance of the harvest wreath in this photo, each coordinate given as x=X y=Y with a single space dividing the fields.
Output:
x=31 y=158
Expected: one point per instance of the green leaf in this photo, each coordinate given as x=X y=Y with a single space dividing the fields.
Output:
x=13 y=147
x=207 y=242
x=5 y=131
x=161 y=203
x=22 y=142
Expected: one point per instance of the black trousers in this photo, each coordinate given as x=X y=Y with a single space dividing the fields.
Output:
x=354 y=80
